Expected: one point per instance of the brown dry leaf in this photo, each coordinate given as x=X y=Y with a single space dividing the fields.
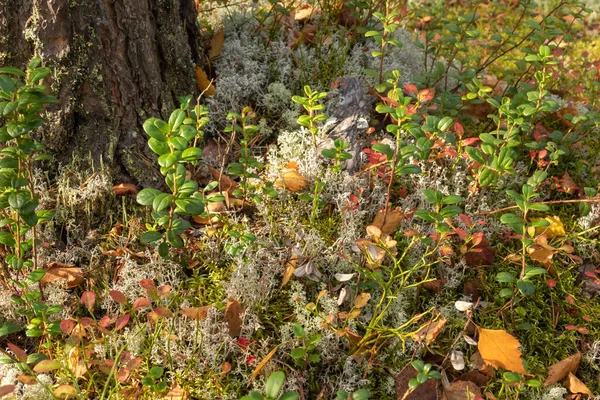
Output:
x=262 y=364
x=123 y=189
x=559 y=371
x=576 y=386
x=204 y=84
x=306 y=35
x=430 y=331
x=27 y=379
x=542 y=252
x=58 y=270
x=462 y=390
x=500 y=350
x=233 y=316
x=77 y=365
x=290 y=267
x=427 y=391
x=198 y=313
x=216 y=44
x=556 y=227
x=291 y=180
x=226 y=184
x=481 y=365
x=388 y=222
x=177 y=393
x=304 y=12
x=481 y=255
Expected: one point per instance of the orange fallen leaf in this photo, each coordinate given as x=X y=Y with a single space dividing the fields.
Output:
x=430 y=331
x=388 y=222
x=559 y=371
x=500 y=350
x=58 y=270
x=197 y=313
x=576 y=386
x=291 y=179
x=233 y=316
x=204 y=84
x=123 y=189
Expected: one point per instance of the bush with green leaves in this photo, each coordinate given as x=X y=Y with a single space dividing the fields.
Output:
x=23 y=98
x=312 y=102
x=176 y=143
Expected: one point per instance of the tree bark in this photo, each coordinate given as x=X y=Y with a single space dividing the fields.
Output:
x=116 y=63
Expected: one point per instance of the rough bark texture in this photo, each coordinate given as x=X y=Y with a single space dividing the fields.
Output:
x=116 y=62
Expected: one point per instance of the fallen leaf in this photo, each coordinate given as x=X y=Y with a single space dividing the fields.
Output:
x=57 y=270
x=290 y=267
x=262 y=363
x=427 y=391
x=500 y=350
x=304 y=12
x=291 y=180
x=66 y=391
x=388 y=222
x=576 y=386
x=216 y=45
x=204 y=84
x=457 y=359
x=176 y=393
x=123 y=189
x=233 y=316
x=198 y=313
x=476 y=377
x=361 y=300
x=226 y=184
x=6 y=389
x=19 y=353
x=27 y=379
x=559 y=371
x=430 y=331
x=76 y=364
x=556 y=227
x=462 y=390
x=477 y=360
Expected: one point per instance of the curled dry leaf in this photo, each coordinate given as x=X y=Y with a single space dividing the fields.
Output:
x=291 y=179
x=344 y=277
x=499 y=349
x=304 y=12
x=76 y=364
x=457 y=359
x=198 y=313
x=290 y=268
x=204 y=84
x=463 y=305
x=56 y=270
x=123 y=189
x=388 y=222
x=216 y=44
x=559 y=371
x=430 y=331
x=233 y=316
x=176 y=393
x=226 y=184
x=576 y=386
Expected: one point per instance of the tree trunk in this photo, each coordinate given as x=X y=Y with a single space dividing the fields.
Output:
x=116 y=63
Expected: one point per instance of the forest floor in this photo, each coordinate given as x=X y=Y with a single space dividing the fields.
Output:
x=392 y=201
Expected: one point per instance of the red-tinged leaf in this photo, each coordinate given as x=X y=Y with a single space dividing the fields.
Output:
x=109 y=363
x=163 y=312
x=570 y=299
x=65 y=392
x=426 y=95
x=458 y=128
x=551 y=283
x=19 y=353
x=122 y=321
x=134 y=363
x=410 y=88
x=570 y=327
x=195 y=312
x=147 y=284
x=66 y=326
x=47 y=366
x=7 y=389
x=583 y=330
x=86 y=321
x=123 y=374
x=104 y=321
x=88 y=299
x=482 y=254
x=140 y=302
x=470 y=141
x=590 y=274
x=118 y=296
x=163 y=290
x=477 y=238
x=462 y=233
x=466 y=220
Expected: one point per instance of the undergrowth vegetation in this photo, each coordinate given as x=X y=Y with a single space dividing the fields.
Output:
x=369 y=200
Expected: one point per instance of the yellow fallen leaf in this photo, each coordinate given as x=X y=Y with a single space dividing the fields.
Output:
x=576 y=386
x=204 y=84
x=559 y=371
x=556 y=227
x=500 y=350
x=290 y=267
x=291 y=179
